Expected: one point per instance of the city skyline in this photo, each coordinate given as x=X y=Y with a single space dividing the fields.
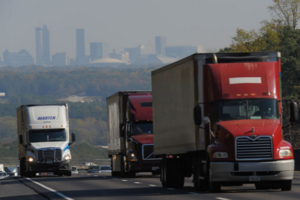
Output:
x=130 y=23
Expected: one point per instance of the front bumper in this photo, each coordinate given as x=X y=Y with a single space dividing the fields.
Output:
x=247 y=172
x=43 y=167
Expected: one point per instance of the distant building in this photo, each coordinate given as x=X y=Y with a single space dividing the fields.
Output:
x=38 y=46
x=105 y=62
x=46 y=46
x=135 y=52
x=181 y=51
x=160 y=44
x=42 y=46
x=59 y=59
x=80 y=47
x=98 y=50
x=17 y=59
x=124 y=56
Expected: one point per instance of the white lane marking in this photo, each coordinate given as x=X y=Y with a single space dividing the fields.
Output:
x=50 y=189
x=95 y=175
x=137 y=182
x=221 y=198
x=193 y=193
x=152 y=185
x=171 y=189
x=124 y=180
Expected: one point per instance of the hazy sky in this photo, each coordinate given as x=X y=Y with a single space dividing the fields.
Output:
x=127 y=23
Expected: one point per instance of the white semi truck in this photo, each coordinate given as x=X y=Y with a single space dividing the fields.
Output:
x=44 y=141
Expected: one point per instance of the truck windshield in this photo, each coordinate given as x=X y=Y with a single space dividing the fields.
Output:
x=142 y=128
x=47 y=135
x=247 y=109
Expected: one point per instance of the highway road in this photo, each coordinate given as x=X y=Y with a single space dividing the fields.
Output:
x=144 y=186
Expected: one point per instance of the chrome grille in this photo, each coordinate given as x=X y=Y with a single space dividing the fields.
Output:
x=147 y=152
x=259 y=148
x=54 y=155
x=58 y=154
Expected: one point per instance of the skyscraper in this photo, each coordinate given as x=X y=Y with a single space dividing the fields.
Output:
x=38 y=46
x=80 y=47
x=160 y=44
x=46 y=45
x=98 y=50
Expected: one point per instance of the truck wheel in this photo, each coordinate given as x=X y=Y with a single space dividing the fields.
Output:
x=201 y=176
x=68 y=173
x=214 y=186
x=265 y=185
x=22 y=167
x=171 y=175
x=286 y=185
x=163 y=173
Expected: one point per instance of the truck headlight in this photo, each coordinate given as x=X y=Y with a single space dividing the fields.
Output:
x=30 y=159
x=220 y=155
x=67 y=157
x=285 y=153
x=132 y=157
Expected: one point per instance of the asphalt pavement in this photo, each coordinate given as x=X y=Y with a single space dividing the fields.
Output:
x=143 y=186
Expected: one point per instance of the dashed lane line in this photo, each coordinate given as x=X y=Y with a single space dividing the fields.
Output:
x=50 y=189
x=221 y=198
x=152 y=185
x=124 y=180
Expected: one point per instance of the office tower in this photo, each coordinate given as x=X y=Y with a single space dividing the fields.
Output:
x=46 y=45
x=98 y=50
x=38 y=46
x=160 y=44
x=59 y=59
x=80 y=47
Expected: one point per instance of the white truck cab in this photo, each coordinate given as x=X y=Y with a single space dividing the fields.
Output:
x=44 y=141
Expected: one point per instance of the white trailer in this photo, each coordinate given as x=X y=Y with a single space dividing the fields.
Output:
x=44 y=141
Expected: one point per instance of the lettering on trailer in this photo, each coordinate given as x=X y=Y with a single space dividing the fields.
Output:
x=47 y=118
x=240 y=80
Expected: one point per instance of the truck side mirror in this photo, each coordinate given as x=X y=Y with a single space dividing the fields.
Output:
x=73 y=137
x=294 y=112
x=122 y=129
x=21 y=139
x=197 y=115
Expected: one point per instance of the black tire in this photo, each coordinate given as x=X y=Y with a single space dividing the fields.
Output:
x=200 y=177
x=286 y=185
x=68 y=173
x=171 y=175
x=22 y=167
x=215 y=187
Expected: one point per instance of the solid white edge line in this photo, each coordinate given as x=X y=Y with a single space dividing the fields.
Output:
x=221 y=198
x=152 y=185
x=50 y=189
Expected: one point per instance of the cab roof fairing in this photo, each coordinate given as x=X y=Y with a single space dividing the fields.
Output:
x=245 y=80
x=54 y=116
x=136 y=110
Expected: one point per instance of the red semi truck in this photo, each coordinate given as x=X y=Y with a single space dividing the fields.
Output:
x=130 y=127
x=218 y=117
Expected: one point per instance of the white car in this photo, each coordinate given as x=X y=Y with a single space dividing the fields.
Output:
x=74 y=170
x=105 y=169
x=3 y=175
